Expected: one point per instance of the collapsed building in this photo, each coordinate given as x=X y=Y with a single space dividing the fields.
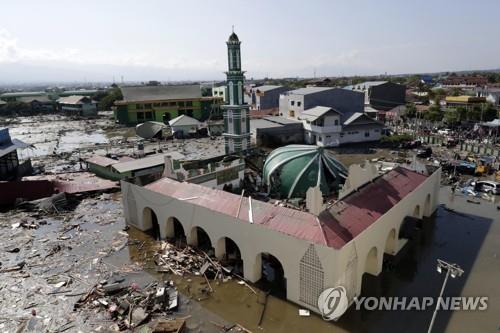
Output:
x=329 y=243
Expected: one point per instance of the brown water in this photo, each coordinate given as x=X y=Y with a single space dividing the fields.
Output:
x=449 y=236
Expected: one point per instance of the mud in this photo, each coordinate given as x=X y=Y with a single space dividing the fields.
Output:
x=60 y=142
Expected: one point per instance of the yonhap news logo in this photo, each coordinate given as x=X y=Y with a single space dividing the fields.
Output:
x=333 y=303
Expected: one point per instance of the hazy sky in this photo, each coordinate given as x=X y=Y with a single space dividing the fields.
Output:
x=93 y=40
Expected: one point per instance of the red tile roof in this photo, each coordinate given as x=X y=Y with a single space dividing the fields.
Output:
x=334 y=227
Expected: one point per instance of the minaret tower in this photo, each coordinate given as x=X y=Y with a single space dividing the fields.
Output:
x=236 y=112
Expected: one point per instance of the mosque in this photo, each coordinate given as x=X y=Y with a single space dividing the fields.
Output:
x=350 y=219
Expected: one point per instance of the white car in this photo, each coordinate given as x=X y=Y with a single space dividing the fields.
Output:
x=445 y=131
x=488 y=186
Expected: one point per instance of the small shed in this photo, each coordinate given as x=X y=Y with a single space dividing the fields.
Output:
x=184 y=125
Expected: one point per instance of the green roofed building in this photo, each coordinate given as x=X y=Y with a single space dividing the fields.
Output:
x=291 y=170
x=163 y=103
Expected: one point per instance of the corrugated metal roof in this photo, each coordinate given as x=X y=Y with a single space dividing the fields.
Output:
x=72 y=99
x=281 y=120
x=265 y=88
x=288 y=221
x=308 y=90
x=29 y=99
x=316 y=112
x=101 y=161
x=361 y=209
x=334 y=227
x=13 y=145
x=364 y=85
x=184 y=120
x=158 y=93
x=146 y=162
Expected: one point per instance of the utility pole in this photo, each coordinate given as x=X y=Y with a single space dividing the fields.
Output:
x=451 y=269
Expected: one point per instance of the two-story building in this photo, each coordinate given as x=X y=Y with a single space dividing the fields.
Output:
x=323 y=126
x=163 y=103
x=294 y=102
x=77 y=106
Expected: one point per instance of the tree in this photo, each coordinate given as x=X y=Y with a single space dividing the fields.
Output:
x=490 y=113
x=434 y=113
x=108 y=100
x=411 y=110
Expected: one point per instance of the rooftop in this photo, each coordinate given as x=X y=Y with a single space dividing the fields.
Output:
x=364 y=85
x=334 y=227
x=74 y=99
x=308 y=90
x=362 y=208
x=184 y=120
x=314 y=113
x=146 y=162
x=159 y=93
x=266 y=88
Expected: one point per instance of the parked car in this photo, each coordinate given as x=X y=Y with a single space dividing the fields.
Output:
x=424 y=152
x=487 y=186
x=445 y=131
x=411 y=144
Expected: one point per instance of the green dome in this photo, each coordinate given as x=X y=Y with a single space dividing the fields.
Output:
x=293 y=169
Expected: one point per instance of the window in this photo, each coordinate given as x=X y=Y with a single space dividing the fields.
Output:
x=172 y=104
x=164 y=104
x=292 y=103
x=181 y=112
x=156 y=105
x=149 y=115
x=328 y=136
x=377 y=130
x=180 y=103
x=139 y=106
x=189 y=103
x=320 y=138
x=189 y=113
x=367 y=134
x=299 y=103
x=336 y=122
x=140 y=115
x=291 y=113
x=147 y=106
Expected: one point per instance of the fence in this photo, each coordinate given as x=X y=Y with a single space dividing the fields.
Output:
x=475 y=148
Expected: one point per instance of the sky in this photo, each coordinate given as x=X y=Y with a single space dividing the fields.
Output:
x=102 y=40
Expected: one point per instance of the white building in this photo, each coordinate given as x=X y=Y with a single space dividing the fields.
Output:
x=327 y=246
x=184 y=125
x=220 y=92
x=323 y=126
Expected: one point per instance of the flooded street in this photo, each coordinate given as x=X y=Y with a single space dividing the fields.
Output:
x=48 y=261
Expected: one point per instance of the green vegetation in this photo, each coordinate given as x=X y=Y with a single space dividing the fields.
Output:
x=107 y=99
x=395 y=140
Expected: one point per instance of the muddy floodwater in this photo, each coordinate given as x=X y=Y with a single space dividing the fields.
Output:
x=468 y=236
x=65 y=254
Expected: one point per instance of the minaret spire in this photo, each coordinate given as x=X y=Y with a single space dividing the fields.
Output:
x=236 y=112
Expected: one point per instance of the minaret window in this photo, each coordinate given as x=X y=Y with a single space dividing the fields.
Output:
x=231 y=93
x=238 y=59
x=240 y=95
